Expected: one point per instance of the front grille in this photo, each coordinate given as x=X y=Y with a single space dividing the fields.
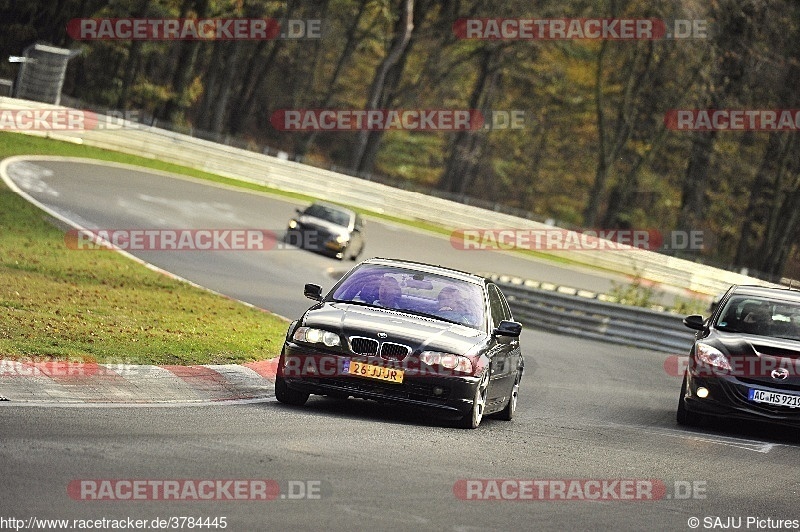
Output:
x=790 y=385
x=321 y=233
x=392 y=351
x=363 y=346
x=388 y=350
x=739 y=394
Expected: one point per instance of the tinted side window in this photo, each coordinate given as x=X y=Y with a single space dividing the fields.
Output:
x=498 y=306
x=506 y=307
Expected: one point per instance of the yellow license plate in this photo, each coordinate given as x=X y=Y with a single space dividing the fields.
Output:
x=371 y=371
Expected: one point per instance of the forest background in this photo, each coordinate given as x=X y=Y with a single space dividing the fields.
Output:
x=594 y=150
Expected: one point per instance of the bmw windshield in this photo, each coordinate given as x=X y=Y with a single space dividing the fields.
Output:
x=329 y=214
x=415 y=292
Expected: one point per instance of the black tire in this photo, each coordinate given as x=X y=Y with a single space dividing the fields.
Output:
x=286 y=395
x=507 y=414
x=474 y=418
x=684 y=416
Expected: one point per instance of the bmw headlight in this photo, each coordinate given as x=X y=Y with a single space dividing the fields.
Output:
x=292 y=223
x=447 y=360
x=711 y=356
x=311 y=335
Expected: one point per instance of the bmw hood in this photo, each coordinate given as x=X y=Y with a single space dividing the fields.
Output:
x=418 y=332
x=324 y=225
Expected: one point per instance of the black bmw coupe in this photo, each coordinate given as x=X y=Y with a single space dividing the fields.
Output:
x=327 y=229
x=407 y=333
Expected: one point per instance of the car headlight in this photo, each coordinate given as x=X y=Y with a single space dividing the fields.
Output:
x=292 y=223
x=711 y=356
x=316 y=336
x=341 y=239
x=447 y=360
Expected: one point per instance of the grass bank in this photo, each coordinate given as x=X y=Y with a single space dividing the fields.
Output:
x=100 y=306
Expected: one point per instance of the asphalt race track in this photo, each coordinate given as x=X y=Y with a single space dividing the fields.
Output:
x=99 y=197
x=589 y=413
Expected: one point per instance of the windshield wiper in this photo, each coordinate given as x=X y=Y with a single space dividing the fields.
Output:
x=432 y=316
x=405 y=311
x=350 y=302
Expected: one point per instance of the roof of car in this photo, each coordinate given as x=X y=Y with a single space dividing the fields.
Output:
x=428 y=268
x=790 y=294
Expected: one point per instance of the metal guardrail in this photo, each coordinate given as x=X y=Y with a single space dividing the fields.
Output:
x=243 y=165
x=588 y=317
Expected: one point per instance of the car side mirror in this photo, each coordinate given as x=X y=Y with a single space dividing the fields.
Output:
x=508 y=328
x=695 y=321
x=298 y=211
x=313 y=291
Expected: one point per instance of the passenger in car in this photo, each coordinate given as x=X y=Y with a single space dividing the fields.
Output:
x=449 y=299
x=756 y=321
x=791 y=328
x=389 y=293
x=369 y=291
x=452 y=306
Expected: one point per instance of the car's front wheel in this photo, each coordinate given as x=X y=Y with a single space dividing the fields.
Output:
x=473 y=419
x=355 y=255
x=286 y=395
x=507 y=414
x=684 y=416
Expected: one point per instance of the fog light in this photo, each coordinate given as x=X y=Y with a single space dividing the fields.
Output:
x=702 y=393
x=438 y=390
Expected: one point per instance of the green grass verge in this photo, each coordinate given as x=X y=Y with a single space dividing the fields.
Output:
x=100 y=306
